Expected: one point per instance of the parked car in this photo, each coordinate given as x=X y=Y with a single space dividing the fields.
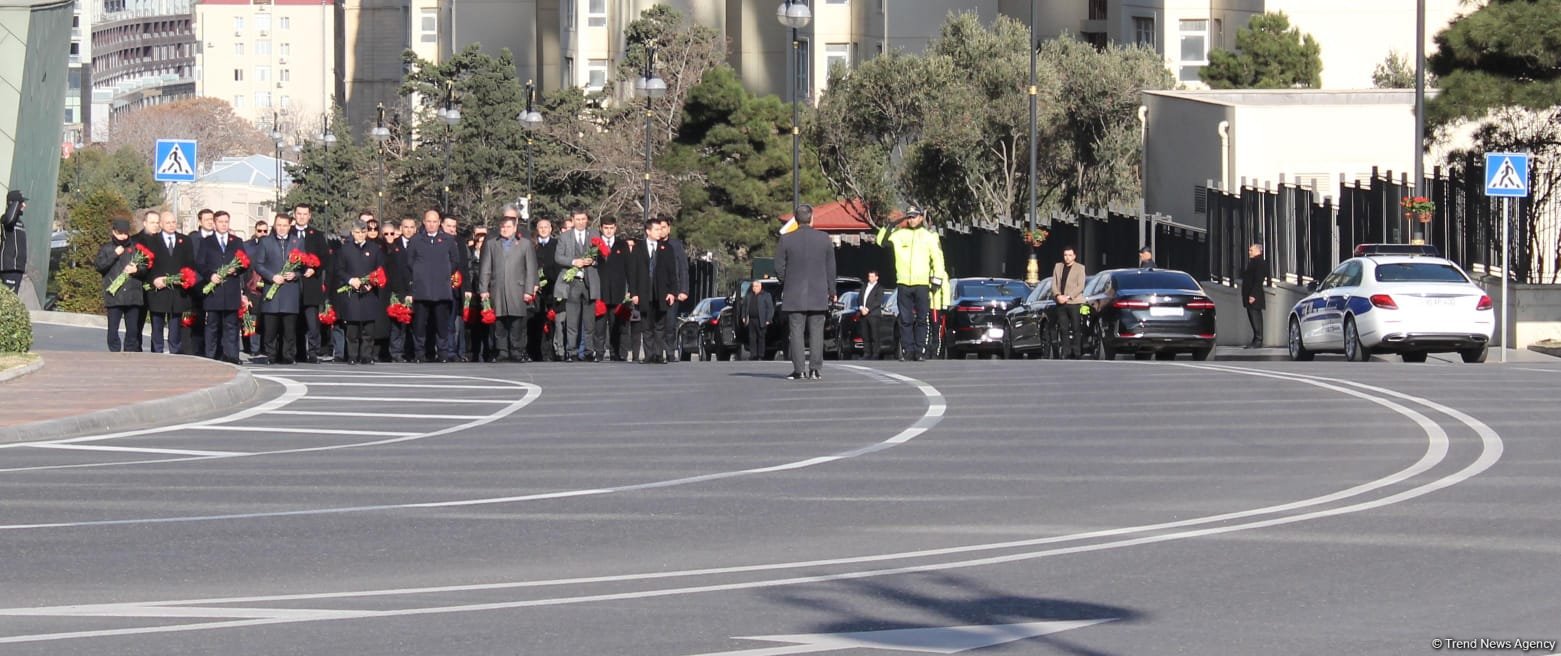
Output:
x=1409 y=305
x=1362 y=250
x=696 y=330
x=975 y=320
x=1147 y=312
x=1032 y=325
x=731 y=338
x=842 y=331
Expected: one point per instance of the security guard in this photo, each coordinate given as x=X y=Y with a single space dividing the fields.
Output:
x=918 y=270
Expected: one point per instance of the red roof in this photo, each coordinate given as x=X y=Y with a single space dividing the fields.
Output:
x=838 y=216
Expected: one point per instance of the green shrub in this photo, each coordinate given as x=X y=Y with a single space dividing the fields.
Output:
x=80 y=290
x=16 y=326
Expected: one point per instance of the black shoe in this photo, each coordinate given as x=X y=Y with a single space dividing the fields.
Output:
x=309 y=359
x=396 y=359
x=284 y=361
x=813 y=374
x=796 y=375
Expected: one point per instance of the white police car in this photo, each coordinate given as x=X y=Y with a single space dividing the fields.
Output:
x=1409 y=305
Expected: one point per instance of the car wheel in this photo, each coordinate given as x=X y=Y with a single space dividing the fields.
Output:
x=1474 y=355
x=1008 y=348
x=1297 y=347
x=1203 y=354
x=704 y=352
x=1103 y=348
x=1354 y=351
x=1414 y=356
x=840 y=350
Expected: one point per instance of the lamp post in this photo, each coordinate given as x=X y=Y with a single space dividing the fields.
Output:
x=380 y=134
x=451 y=115
x=795 y=15
x=1032 y=268
x=276 y=138
x=1419 y=188
x=530 y=119
x=329 y=138
x=651 y=87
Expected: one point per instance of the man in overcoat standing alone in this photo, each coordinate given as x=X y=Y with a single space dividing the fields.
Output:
x=805 y=262
x=508 y=281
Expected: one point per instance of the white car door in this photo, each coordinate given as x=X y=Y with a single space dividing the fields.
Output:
x=1336 y=304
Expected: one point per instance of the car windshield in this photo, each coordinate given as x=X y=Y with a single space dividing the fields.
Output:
x=850 y=300
x=1419 y=272
x=1156 y=280
x=991 y=289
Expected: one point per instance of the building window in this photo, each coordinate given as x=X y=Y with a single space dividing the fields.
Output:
x=285 y=101
x=286 y=22
x=429 y=26
x=286 y=75
x=238 y=49
x=238 y=75
x=1143 y=31
x=263 y=99
x=75 y=48
x=837 y=54
x=1195 y=41
x=596 y=13
x=70 y=115
x=596 y=74
x=1097 y=9
x=285 y=49
x=238 y=23
x=262 y=73
x=238 y=102
x=804 y=77
x=263 y=22
x=263 y=47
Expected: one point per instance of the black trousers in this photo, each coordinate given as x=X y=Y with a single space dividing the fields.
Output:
x=870 y=329
x=509 y=337
x=308 y=342
x=398 y=341
x=281 y=336
x=221 y=334
x=167 y=332
x=756 y=339
x=658 y=316
x=131 y=317
x=360 y=341
x=609 y=334
x=1070 y=331
x=435 y=315
x=915 y=308
x=195 y=341
x=479 y=338
x=814 y=355
x=1255 y=317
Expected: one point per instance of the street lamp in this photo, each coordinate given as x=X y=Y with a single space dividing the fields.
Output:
x=380 y=134
x=651 y=87
x=530 y=119
x=1032 y=269
x=795 y=15
x=450 y=115
x=276 y=137
x=329 y=138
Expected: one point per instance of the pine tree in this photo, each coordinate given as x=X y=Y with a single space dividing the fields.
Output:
x=1270 y=54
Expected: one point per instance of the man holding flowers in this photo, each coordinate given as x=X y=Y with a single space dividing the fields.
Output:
x=223 y=261
x=279 y=263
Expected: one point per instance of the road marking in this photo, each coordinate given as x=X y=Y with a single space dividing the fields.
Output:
x=389 y=415
x=1436 y=451
x=403 y=385
x=382 y=399
x=306 y=431
x=929 y=640
x=133 y=449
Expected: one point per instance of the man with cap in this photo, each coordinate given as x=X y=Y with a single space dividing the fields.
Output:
x=13 y=241
x=124 y=304
x=805 y=263
x=918 y=269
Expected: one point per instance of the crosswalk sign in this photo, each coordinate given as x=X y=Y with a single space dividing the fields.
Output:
x=174 y=161
x=1506 y=175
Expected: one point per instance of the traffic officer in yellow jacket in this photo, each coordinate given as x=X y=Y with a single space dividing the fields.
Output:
x=918 y=271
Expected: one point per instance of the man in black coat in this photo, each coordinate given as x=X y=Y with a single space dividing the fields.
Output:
x=539 y=324
x=312 y=287
x=756 y=313
x=172 y=252
x=871 y=323
x=195 y=340
x=398 y=282
x=459 y=294
x=431 y=260
x=658 y=287
x=805 y=263
x=222 y=304
x=125 y=303
x=13 y=242
x=611 y=328
x=1254 y=278
x=359 y=307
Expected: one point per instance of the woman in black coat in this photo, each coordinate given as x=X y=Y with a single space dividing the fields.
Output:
x=361 y=306
x=124 y=304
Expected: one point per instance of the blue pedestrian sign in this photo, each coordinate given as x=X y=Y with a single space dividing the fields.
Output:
x=174 y=161
x=1506 y=175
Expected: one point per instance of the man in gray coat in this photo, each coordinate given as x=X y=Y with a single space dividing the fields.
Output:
x=509 y=275
x=577 y=250
x=805 y=263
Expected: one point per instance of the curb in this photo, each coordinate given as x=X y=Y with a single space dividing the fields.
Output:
x=1553 y=351
x=69 y=319
x=173 y=410
x=18 y=372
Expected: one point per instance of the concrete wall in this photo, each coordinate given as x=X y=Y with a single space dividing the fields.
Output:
x=1182 y=151
x=1536 y=313
x=1230 y=316
x=32 y=102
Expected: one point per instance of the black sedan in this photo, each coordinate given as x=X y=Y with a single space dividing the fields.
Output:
x=732 y=338
x=976 y=319
x=843 y=330
x=1147 y=312
x=696 y=330
x=1032 y=325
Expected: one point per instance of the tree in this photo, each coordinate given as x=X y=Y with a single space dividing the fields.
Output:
x=866 y=119
x=1394 y=72
x=210 y=121
x=337 y=181
x=124 y=170
x=86 y=230
x=1270 y=54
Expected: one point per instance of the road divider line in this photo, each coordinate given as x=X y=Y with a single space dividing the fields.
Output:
x=307 y=431
x=387 y=415
x=134 y=449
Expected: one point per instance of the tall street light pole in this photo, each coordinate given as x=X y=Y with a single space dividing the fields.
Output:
x=1032 y=269
x=451 y=115
x=276 y=138
x=328 y=138
x=651 y=87
x=380 y=134
x=1419 y=189
x=530 y=119
x=795 y=15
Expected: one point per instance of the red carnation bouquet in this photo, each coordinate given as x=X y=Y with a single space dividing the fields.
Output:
x=245 y=318
x=601 y=246
x=547 y=326
x=601 y=308
x=456 y=279
x=376 y=278
x=328 y=315
x=400 y=310
x=240 y=262
x=488 y=316
x=311 y=260
x=142 y=258
x=184 y=279
x=295 y=261
x=187 y=319
x=466 y=310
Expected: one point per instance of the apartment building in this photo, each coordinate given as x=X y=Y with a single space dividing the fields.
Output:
x=142 y=53
x=270 y=58
x=78 y=75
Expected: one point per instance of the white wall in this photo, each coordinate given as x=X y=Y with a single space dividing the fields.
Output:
x=1356 y=35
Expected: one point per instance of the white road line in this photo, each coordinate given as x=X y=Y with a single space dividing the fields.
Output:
x=392 y=400
x=1436 y=443
x=133 y=449
x=307 y=431
x=402 y=385
x=389 y=415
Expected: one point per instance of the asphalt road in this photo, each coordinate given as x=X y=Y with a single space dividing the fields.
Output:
x=637 y=510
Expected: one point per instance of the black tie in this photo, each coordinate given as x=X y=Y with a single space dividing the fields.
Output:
x=169 y=240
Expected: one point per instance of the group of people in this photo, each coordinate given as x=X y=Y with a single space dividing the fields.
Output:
x=416 y=290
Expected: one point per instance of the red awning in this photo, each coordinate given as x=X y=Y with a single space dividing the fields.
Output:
x=837 y=217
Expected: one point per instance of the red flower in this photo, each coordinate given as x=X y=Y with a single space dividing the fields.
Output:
x=377 y=277
x=311 y=260
x=399 y=311
x=186 y=277
x=552 y=315
x=456 y=279
x=146 y=253
x=624 y=312
x=295 y=257
x=466 y=311
x=187 y=319
x=242 y=258
x=601 y=308
x=601 y=246
x=328 y=315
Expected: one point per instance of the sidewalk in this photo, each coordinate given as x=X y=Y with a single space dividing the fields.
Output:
x=79 y=393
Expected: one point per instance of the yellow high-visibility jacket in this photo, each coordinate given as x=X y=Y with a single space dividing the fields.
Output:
x=918 y=255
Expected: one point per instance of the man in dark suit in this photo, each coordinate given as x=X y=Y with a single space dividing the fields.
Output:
x=871 y=324
x=171 y=252
x=398 y=282
x=431 y=260
x=805 y=263
x=577 y=251
x=659 y=289
x=539 y=330
x=222 y=304
x=195 y=341
x=756 y=313
x=311 y=290
x=611 y=327
x=1254 y=278
x=151 y=228
x=279 y=313
x=459 y=294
